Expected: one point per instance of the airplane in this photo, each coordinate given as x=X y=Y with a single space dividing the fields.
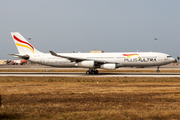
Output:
x=92 y=61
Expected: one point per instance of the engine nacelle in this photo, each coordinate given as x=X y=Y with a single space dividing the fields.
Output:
x=89 y=64
x=108 y=66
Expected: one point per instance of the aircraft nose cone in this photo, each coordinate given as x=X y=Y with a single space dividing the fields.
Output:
x=172 y=59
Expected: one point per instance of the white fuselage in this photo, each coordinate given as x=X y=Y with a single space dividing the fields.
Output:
x=121 y=59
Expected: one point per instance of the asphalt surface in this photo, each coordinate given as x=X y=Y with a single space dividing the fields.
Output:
x=55 y=74
x=164 y=67
x=81 y=74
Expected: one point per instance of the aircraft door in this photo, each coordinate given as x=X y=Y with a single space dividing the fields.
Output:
x=160 y=58
x=42 y=59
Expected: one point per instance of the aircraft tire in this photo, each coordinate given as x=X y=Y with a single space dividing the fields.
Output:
x=96 y=72
x=92 y=72
x=87 y=72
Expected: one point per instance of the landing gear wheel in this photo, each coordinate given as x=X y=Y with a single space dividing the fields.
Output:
x=92 y=71
x=87 y=72
x=157 y=70
x=96 y=72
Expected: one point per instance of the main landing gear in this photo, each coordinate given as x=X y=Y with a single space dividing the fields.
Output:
x=92 y=71
x=157 y=70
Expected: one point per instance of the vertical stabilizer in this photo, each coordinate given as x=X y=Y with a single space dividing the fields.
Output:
x=23 y=46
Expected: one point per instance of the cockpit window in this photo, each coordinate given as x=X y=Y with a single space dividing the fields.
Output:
x=168 y=56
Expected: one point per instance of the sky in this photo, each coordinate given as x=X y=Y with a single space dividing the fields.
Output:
x=83 y=25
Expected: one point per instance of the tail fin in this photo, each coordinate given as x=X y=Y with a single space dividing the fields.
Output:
x=23 y=46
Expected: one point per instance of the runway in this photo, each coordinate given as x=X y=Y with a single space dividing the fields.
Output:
x=34 y=67
x=76 y=74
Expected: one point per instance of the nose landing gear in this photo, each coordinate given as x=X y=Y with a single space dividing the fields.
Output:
x=157 y=70
x=92 y=71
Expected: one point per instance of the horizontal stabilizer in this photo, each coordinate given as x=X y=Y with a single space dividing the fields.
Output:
x=20 y=56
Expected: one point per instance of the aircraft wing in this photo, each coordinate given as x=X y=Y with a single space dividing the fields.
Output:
x=72 y=59
x=75 y=59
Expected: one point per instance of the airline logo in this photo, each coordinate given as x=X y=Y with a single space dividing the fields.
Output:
x=131 y=55
x=23 y=44
x=130 y=58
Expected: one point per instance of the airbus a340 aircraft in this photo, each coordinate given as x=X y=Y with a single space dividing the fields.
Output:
x=92 y=61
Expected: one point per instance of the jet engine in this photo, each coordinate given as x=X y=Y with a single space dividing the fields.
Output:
x=108 y=66
x=89 y=64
